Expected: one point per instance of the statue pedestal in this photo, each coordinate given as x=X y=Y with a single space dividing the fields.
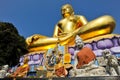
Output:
x=72 y=78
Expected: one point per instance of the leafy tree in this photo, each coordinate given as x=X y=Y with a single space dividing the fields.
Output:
x=12 y=45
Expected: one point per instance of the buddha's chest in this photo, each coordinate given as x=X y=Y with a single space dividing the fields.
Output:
x=68 y=25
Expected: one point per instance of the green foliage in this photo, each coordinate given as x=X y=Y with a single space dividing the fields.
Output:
x=12 y=45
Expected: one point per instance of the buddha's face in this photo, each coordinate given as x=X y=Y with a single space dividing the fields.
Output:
x=67 y=10
x=79 y=44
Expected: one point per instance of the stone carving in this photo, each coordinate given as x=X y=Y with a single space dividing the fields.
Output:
x=4 y=71
x=112 y=65
x=88 y=68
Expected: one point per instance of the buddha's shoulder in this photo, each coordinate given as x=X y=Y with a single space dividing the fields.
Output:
x=79 y=16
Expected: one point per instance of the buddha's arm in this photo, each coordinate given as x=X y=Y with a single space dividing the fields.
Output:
x=57 y=30
x=83 y=20
x=55 y=34
x=51 y=41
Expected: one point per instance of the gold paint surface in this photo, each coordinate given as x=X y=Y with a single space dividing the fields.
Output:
x=70 y=26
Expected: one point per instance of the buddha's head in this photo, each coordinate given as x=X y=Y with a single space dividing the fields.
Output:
x=67 y=10
x=79 y=42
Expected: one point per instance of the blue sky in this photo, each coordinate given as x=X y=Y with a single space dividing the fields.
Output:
x=40 y=16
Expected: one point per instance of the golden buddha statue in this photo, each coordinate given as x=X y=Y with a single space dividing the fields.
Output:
x=70 y=26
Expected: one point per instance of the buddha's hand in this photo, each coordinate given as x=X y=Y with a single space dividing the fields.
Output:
x=31 y=39
x=63 y=34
